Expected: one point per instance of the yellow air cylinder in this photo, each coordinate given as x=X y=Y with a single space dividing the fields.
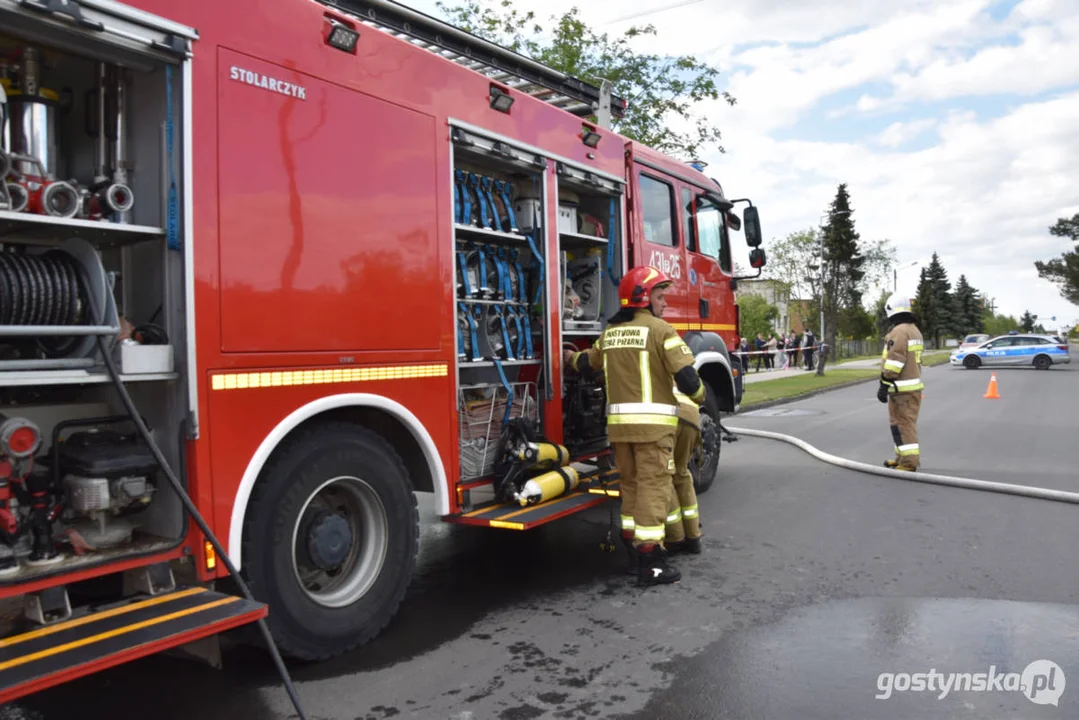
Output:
x=547 y=456
x=541 y=456
x=548 y=486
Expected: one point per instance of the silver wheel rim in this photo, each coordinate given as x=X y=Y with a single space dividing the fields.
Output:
x=360 y=506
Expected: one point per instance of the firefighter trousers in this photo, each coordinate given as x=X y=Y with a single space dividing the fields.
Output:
x=645 y=470
x=682 y=517
x=903 y=409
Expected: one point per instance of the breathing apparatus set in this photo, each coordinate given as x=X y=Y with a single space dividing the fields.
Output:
x=531 y=469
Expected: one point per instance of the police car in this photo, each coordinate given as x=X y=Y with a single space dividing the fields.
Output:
x=1041 y=351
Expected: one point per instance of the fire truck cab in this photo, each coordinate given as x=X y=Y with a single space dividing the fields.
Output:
x=266 y=273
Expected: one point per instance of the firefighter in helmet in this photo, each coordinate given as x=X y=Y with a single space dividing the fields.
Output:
x=683 y=522
x=644 y=358
x=901 y=382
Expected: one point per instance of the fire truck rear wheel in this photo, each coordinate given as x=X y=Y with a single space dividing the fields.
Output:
x=330 y=540
x=711 y=443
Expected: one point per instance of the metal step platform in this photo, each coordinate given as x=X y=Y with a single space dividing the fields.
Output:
x=602 y=486
x=110 y=635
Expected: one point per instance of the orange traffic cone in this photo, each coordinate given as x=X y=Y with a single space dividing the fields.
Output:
x=991 y=392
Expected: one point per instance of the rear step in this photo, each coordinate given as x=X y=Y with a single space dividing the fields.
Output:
x=595 y=489
x=117 y=633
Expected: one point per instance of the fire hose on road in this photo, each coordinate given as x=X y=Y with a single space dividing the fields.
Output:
x=930 y=478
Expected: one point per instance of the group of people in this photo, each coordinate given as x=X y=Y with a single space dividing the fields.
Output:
x=780 y=352
x=653 y=418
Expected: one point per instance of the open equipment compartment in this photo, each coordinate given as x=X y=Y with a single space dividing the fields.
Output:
x=86 y=252
x=590 y=215
x=589 y=243
x=501 y=302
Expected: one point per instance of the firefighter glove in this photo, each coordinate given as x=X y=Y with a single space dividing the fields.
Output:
x=882 y=391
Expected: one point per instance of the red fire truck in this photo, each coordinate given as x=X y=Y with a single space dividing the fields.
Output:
x=270 y=269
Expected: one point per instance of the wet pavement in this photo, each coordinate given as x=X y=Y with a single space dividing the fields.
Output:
x=815 y=580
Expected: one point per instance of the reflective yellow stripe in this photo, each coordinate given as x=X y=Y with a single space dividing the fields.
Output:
x=637 y=419
x=698 y=397
x=647 y=408
x=655 y=533
x=606 y=377
x=284 y=378
x=627 y=522
x=689 y=512
x=674 y=517
x=672 y=342
x=893 y=365
x=906 y=386
x=682 y=398
x=646 y=378
x=912 y=449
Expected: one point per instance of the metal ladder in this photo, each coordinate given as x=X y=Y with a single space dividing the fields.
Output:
x=500 y=64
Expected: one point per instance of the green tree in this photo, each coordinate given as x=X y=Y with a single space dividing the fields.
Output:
x=1000 y=324
x=967 y=308
x=880 y=314
x=756 y=315
x=1026 y=323
x=934 y=305
x=843 y=266
x=1063 y=271
x=856 y=323
x=661 y=91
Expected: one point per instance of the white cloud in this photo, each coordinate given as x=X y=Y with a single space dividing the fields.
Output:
x=899 y=133
x=984 y=190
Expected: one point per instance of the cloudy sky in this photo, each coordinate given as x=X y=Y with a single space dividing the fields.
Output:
x=955 y=123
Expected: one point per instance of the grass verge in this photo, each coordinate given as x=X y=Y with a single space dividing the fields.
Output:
x=761 y=392
x=939 y=358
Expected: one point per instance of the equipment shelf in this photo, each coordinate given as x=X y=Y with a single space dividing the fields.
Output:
x=576 y=240
x=465 y=365
x=472 y=232
x=24 y=225
x=15 y=378
x=482 y=301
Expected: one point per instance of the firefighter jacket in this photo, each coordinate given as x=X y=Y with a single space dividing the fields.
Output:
x=901 y=359
x=688 y=411
x=639 y=359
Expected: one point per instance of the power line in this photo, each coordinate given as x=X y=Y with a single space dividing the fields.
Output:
x=634 y=16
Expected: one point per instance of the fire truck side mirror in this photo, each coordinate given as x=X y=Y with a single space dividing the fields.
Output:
x=757 y=259
x=734 y=222
x=752 y=223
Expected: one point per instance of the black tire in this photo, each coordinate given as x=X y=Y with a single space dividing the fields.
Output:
x=1042 y=362
x=972 y=362
x=303 y=627
x=711 y=445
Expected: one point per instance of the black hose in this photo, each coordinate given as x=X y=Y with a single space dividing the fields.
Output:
x=189 y=505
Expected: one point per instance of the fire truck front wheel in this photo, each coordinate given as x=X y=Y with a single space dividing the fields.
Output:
x=330 y=540
x=704 y=473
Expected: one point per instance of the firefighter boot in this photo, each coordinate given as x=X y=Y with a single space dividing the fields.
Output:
x=689 y=545
x=653 y=568
x=631 y=553
x=891 y=464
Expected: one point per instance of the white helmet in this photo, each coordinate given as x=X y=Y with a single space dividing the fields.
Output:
x=896 y=304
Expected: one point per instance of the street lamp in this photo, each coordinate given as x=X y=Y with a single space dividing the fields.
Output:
x=895 y=273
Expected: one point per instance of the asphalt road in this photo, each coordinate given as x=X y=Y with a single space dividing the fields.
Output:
x=815 y=580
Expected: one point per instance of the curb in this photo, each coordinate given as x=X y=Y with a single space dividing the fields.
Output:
x=811 y=393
